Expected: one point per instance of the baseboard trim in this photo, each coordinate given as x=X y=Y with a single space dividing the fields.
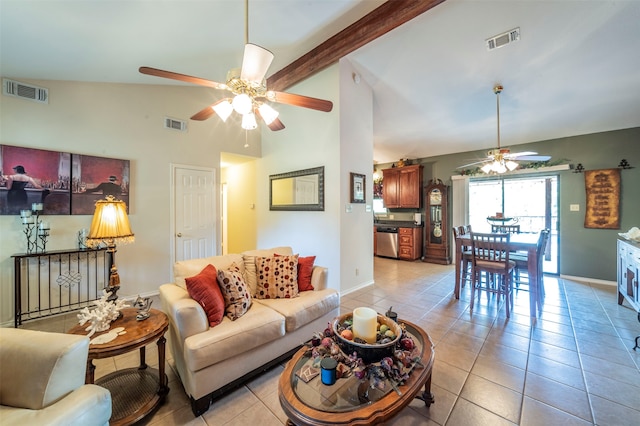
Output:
x=359 y=287
x=589 y=280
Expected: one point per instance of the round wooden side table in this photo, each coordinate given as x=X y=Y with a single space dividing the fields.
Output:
x=135 y=392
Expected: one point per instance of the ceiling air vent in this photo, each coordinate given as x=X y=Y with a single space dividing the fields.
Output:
x=25 y=91
x=503 y=39
x=175 y=124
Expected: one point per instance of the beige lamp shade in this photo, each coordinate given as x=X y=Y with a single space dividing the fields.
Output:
x=110 y=223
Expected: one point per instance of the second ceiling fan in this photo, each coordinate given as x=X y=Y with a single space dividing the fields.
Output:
x=249 y=94
x=501 y=159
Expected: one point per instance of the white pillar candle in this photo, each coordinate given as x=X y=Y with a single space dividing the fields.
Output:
x=365 y=324
x=25 y=213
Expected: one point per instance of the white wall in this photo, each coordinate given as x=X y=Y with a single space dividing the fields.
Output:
x=118 y=121
x=356 y=156
x=310 y=139
x=340 y=141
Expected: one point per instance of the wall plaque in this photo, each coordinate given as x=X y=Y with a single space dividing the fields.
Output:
x=603 y=199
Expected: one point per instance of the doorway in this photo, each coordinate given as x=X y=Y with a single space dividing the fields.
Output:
x=193 y=220
x=532 y=202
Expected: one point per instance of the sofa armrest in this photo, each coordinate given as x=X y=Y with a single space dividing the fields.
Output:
x=185 y=314
x=319 y=277
x=89 y=405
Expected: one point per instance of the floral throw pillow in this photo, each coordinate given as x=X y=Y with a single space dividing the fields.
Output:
x=235 y=292
x=277 y=277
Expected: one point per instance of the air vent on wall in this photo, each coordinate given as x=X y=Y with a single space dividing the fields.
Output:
x=174 y=124
x=25 y=91
x=503 y=39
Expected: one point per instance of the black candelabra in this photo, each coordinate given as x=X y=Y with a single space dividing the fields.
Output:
x=36 y=231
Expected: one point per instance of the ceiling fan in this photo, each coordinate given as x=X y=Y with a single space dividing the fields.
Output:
x=500 y=160
x=249 y=96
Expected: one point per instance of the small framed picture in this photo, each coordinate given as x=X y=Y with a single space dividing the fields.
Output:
x=357 y=188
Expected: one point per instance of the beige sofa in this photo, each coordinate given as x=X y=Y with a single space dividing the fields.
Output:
x=42 y=381
x=214 y=360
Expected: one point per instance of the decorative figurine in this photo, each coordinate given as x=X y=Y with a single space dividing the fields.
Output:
x=144 y=306
x=101 y=316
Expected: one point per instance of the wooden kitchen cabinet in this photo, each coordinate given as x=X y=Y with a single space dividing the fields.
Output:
x=409 y=243
x=628 y=269
x=402 y=187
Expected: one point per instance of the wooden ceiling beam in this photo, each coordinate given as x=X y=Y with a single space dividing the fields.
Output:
x=380 y=21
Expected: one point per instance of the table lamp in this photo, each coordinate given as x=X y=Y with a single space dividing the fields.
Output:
x=110 y=225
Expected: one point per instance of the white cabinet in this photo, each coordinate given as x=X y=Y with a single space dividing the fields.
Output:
x=628 y=270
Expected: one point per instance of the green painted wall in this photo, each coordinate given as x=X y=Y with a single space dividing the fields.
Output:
x=589 y=253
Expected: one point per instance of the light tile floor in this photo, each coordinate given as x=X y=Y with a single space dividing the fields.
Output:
x=572 y=366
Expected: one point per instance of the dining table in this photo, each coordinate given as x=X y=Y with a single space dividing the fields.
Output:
x=517 y=242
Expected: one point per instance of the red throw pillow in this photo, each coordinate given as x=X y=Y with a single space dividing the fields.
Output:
x=204 y=289
x=305 y=268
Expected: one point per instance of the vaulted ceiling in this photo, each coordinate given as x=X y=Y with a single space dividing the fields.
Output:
x=573 y=71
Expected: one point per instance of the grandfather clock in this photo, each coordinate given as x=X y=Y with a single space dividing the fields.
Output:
x=436 y=249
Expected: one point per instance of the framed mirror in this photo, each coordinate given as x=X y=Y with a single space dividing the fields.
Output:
x=302 y=190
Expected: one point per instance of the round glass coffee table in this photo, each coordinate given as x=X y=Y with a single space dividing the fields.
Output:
x=350 y=401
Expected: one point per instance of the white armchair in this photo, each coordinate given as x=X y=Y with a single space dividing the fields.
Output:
x=42 y=380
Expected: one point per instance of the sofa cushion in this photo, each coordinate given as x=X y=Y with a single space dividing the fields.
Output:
x=260 y=325
x=305 y=269
x=277 y=277
x=236 y=294
x=188 y=268
x=204 y=289
x=308 y=306
x=249 y=257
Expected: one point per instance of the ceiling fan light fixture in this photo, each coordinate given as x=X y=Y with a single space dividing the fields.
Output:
x=511 y=165
x=249 y=121
x=242 y=104
x=267 y=113
x=223 y=109
x=255 y=63
x=487 y=168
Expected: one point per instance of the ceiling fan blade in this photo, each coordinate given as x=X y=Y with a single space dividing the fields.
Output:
x=519 y=154
x=255 y=63
x=182 y=77
x=533 y=158
x=300 y=100
x=204 y=113
x=473 y=164
x=275 y=125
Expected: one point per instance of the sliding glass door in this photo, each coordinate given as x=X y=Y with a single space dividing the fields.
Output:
x=532 y=202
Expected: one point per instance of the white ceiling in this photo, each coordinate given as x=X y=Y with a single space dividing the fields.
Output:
x=576 y=69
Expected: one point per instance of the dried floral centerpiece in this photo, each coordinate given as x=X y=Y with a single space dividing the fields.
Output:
x=402 y=353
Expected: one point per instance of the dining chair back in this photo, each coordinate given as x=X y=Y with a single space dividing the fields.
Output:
x=521 y=260
x=490 y=257
x=465 y=261
x=505 y=229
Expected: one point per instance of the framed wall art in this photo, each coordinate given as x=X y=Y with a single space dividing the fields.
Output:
x=357 y=188
x=64 y=183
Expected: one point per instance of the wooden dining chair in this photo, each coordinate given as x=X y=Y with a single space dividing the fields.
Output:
x=505 y=229
x=521 y=259
x=465 y=270
x=490 y=256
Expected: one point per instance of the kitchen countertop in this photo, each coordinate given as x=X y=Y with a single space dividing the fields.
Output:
x=398 y=223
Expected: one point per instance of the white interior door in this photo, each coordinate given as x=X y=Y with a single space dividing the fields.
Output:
x=194 y=218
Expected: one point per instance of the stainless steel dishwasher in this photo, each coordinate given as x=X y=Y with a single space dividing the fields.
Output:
x=387 y=241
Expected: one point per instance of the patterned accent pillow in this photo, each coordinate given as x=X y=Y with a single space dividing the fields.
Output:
x=277 y=277
x=235 y=291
